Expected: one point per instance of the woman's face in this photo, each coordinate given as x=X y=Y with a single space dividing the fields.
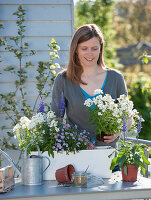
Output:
x=88 y=52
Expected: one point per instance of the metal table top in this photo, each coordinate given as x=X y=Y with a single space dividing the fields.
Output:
x=111 y=189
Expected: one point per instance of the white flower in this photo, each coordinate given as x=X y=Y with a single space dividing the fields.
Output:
x=37 y=119
x=16 y=128
x=135 y=112
x=53 y=123
x=52 y=67
x=53 y=71
x=51 y=53
x=108 y=98
x=88 y=102
x=119 y=121
x=57 y=65
x=50 y=115
x=57 y=129
x=98 y=91
x=58 y=47
x=24 y=122
x=56 y=56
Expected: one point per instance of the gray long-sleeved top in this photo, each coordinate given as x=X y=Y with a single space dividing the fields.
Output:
x=76 y=111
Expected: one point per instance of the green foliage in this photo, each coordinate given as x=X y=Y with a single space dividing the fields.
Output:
x=15 y=103
x=132 y=21
x=130 y=153
x=139 y=89
x=145 y=58
x=100 y=13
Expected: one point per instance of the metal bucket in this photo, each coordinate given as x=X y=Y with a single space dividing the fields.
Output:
x=32 y=171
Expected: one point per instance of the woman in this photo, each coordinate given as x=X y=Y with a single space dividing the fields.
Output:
x=85 y=73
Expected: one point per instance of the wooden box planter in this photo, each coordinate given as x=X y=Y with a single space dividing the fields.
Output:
x=6 y=179
x=97 y=159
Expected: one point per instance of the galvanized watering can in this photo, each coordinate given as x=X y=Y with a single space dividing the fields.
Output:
x=32 y=170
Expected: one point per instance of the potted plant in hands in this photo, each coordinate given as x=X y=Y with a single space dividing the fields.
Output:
x=130 y=156
x=107 y=114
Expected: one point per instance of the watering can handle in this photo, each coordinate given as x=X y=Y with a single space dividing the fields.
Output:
x=39 y=153
x=48 y=163
x=9 y=159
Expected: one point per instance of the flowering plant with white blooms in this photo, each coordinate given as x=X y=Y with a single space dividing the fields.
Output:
x=49 y=133
x=106 y=115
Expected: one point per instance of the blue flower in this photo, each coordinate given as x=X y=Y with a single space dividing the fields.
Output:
x=139 y=126
x=41 y=106
x=59 y=145
x=62 y=105
x=77 y=144
x=66 y=126
x=124 y=129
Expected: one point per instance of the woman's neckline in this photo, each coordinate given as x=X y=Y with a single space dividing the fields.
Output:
x=104 y=83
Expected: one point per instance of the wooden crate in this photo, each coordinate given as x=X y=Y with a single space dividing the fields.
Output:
x=6 y=179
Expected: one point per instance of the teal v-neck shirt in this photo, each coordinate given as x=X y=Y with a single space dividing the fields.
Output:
x=76 y=111
x=87 y=96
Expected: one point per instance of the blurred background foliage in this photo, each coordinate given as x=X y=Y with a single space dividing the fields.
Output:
x=124 y=23
x=139 y=90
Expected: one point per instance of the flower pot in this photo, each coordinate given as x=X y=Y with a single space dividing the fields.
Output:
x=64 y=174
x=131 y=173
x=97 y=159
x=100 y=137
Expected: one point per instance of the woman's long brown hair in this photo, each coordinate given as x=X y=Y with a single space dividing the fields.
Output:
x=84 y=33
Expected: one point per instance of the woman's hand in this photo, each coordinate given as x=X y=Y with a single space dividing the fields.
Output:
x=111 y=138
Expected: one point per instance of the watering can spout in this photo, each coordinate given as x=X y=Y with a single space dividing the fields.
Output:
x=12 y=162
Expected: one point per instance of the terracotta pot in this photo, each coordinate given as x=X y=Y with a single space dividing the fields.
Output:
x=131 y=173
x=64 y=175
x=100 y=137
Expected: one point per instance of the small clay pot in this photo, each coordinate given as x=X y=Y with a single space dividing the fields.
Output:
x=100 y=137
x=64 y=175
x=131 y=173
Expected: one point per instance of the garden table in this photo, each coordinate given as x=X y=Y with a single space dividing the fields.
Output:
x=111 y=189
